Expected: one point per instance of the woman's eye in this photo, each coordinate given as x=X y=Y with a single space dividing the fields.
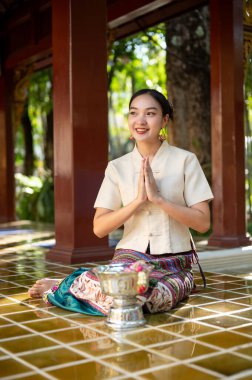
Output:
x=151 y=113
x=132 y=113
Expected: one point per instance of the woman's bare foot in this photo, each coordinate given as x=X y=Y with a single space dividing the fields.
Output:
x=41 y=286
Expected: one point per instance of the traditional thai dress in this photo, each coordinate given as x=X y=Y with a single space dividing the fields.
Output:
x=150 y=234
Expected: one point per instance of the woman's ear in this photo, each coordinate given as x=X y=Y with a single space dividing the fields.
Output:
x=166 y=118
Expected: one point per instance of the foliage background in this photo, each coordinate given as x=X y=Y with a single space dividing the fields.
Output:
x=172 y=57
x=248 y=141
x=34 y=160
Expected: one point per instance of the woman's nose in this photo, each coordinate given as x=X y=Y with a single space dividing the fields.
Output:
x=141 y=119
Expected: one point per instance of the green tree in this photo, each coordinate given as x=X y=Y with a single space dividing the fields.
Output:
x=28 y=142
x=41 y=115
x=34 y=152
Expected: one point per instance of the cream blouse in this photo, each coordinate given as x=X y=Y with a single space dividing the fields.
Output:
x=180 y=179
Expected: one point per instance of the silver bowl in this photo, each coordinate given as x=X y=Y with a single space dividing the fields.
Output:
x=123 y=284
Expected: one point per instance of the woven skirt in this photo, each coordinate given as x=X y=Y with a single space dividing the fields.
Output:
x=171 y=280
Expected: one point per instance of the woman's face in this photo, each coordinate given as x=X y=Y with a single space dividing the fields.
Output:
x=146 y=119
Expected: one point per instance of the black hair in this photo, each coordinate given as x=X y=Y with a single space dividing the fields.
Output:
x=160 y=98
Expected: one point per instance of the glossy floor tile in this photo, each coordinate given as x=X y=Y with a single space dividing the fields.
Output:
x=180 y=371
x=183 y=349
x=88 y=370
x=104 y=347
x=227 y=364
x=207 y=336
x=26 y=344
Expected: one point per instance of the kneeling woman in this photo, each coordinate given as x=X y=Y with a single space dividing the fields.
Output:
x=157 y=192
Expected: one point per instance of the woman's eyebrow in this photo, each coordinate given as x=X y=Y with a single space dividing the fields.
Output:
x=148 y=108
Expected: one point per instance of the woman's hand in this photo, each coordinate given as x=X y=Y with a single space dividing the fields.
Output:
x=196 y=216
x=152 y=191
x=141 y=196
x=106 y=221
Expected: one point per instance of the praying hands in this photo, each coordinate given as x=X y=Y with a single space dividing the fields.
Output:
x=147 y=187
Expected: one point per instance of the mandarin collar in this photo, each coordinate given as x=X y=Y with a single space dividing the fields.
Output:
x=137 y=158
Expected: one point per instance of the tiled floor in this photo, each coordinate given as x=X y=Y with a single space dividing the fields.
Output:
x=209 y=336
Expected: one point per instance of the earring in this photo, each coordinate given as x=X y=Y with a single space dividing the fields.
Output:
x=162 y=134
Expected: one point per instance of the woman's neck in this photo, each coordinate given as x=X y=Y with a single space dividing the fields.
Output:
x=148 y=150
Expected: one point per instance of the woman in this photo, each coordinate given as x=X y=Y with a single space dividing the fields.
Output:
x=157 y=192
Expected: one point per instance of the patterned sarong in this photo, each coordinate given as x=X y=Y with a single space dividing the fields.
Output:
x=171 y=281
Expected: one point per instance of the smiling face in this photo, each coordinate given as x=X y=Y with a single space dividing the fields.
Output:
x=146 y=119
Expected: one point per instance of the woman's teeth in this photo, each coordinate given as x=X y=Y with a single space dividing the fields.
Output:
x=141 y=130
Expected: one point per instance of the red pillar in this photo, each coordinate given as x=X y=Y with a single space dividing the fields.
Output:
x=229 y=227
x=7 y=184
x=80 y=122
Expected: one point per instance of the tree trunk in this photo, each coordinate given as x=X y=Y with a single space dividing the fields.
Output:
x=28 y=141
x=188 y=84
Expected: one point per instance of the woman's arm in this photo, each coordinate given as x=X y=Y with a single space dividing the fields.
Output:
x=196 y=217
x=106 y=221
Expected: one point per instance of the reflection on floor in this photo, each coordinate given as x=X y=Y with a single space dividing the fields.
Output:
x=207 y=337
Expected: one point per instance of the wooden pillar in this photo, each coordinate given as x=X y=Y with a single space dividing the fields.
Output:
x=7 y=183
x=229 y=227
x=80 y=126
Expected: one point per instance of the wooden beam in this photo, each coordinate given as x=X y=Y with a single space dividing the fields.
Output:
x=121 y=12
x=29 y=55
x=134 y=22
x=27 y=34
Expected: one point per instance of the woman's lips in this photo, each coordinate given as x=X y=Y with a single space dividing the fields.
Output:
x=141 y=131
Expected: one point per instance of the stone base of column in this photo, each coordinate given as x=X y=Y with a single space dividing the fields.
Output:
x=80 y=255
x=6 y=219
x=229 y=241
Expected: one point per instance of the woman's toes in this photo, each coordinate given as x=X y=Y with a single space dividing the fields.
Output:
x=36 y=291
x=33 y=293
x=41 y=286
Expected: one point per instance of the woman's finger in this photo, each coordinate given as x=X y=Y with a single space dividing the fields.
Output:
x=148 y=171
x=141 y=183
x=150 y=182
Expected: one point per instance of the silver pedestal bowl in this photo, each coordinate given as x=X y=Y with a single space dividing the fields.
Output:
x=124 y=282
